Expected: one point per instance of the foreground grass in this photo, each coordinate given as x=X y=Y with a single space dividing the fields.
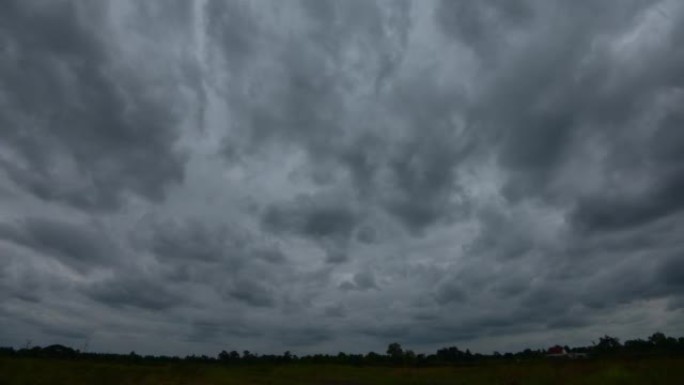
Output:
x=25 y=371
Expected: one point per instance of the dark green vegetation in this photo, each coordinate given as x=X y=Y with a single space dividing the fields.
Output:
x=656 y=360
x=37 y=371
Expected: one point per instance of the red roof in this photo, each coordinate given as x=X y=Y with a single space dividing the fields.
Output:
x=556 y=350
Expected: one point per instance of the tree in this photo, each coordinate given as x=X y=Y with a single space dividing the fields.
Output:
x=394 y=350
x=658 y=339
x=450 y=354
x=224 y=356
x=608 y=344
x=246 y=355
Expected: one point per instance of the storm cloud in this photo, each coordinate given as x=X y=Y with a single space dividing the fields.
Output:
x=320 y=176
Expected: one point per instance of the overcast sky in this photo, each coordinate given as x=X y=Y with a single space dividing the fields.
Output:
x=184 y=177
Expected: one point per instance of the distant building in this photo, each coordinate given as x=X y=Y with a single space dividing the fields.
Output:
x=556 y=352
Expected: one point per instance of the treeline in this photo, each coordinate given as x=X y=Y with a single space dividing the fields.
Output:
x=657 y=344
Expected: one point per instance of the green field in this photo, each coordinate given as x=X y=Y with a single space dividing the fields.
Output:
x=35 y=371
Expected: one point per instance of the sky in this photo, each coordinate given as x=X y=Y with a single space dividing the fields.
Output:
x=182 y=177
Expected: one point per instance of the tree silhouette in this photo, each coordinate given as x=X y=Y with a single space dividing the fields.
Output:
x=657 y=344
x=394 y=350
x=608 y=344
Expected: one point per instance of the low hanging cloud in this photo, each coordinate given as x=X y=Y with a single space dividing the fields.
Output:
x=321 y=176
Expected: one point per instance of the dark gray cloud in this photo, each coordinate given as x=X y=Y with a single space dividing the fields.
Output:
x=204 y=331
x=233 y=27
x=423 y=175
x=192 y=241
x=307 y=336
x=481 y=26
x=253 y=293
x=326 y=175
x=78 y=124
x=316 y=217
x=451 y=291
x=77 y=245
x=363 y=280
x=145 y=293
x=327 y=220
x=662 y=199
x=672 y=271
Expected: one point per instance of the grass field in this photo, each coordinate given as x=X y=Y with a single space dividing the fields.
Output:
x=33 y=371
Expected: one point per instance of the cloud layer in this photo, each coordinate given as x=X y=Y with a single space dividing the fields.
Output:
x=192 y=176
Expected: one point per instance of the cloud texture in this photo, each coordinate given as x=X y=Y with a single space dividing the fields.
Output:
x=192 y=176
